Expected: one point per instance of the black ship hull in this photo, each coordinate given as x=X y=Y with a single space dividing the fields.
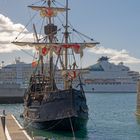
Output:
x=67 y=124
x=61 y=110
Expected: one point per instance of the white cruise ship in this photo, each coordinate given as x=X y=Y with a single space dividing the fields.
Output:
x=14 y=79
x=106 y=77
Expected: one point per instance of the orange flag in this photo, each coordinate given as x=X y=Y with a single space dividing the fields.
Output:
x=34 y=64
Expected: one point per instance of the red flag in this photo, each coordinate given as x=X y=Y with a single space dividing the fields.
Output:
x=49 y=12
x=72 y=74
x=45 y=51
x=34 y=64
x=76 y=48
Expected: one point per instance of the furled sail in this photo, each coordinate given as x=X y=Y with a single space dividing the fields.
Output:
x=48 y=11
x=44 y=44
x=57 y=48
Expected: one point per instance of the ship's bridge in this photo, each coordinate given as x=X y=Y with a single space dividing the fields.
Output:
x=96 y=67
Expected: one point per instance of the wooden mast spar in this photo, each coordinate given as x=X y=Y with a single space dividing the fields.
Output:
x=51 y=53
x=66 y=34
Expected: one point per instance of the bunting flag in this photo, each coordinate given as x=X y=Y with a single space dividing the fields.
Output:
x=75 y=47
x=34 y=64
x=43 y=44
x=72 y=74
x=57 y=49
x=45 y=51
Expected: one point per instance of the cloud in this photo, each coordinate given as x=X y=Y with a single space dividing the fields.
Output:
x=8 y=32
x=115 y=55
x=6 y=25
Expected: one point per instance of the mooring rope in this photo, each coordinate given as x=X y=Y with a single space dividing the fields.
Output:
x=72 y=128
x=28 y=124
x=54 y=125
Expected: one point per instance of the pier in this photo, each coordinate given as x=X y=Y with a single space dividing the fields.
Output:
x=2 y=131
x=138 y=99
x=10 y=129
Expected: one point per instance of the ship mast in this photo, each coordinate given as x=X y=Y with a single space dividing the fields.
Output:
x=66 y=34
x=50 y=43
x=51 y=55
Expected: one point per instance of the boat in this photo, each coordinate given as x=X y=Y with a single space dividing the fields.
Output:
x=45 y=105
x=107 y=77
x=12 y=88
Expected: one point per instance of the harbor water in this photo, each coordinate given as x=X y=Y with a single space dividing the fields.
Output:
x=111 y=117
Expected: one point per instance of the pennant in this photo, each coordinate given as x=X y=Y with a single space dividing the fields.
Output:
x=76 y=48
x=72 y=74
x=45 y=51
x=34 y=64
x=57 y=49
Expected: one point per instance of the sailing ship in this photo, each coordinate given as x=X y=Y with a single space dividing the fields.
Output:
x=46 y=106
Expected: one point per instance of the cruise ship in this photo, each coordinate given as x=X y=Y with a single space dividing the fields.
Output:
x=106 y=77
x=14 y=79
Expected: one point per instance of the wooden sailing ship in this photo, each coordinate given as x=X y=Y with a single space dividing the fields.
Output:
x=45 y=105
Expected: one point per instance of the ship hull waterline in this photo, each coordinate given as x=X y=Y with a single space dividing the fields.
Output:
x=67 y=124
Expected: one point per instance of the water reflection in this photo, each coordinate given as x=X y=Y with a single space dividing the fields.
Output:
x=59 y=135
x=138 y=119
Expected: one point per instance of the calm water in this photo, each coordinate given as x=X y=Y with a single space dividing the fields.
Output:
x=111 y=117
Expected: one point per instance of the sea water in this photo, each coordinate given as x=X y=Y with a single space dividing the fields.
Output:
x=111 y=117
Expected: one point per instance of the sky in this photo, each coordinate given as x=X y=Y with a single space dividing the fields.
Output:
x=113 y=23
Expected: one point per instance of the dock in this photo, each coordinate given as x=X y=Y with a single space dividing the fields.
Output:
x=12 y=130
x=2 y=133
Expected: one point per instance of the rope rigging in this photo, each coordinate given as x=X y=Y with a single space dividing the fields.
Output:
x=51 y=99
x=45 y=38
